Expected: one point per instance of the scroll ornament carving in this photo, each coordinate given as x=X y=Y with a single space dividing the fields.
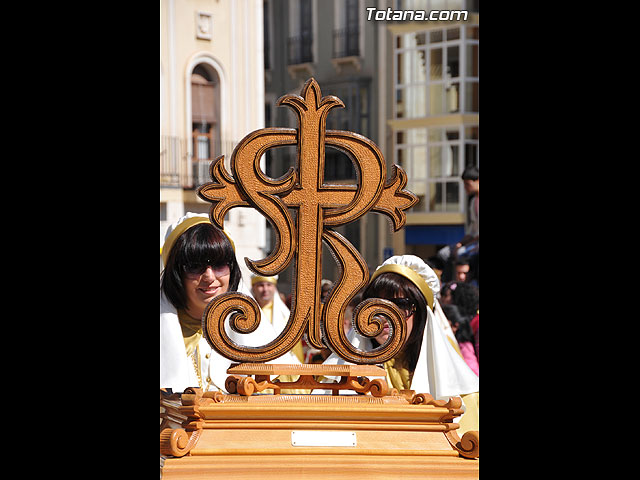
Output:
x=468 y=446
x=179 y=441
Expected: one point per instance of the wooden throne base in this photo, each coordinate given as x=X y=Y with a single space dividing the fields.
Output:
x=320 y=466
x=397 y=435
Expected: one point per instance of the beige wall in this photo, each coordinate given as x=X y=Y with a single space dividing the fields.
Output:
x=235 y=51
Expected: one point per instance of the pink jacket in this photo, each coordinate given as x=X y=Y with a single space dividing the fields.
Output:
x=469 y=355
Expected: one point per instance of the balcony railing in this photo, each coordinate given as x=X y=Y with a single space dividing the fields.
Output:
x=299 y=49
x=179 y=169
x=346 y=42
x=173 y=161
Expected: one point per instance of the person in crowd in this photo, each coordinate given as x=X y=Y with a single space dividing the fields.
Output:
x=437 y=264
x=461 y=270
x=325 y=287
x=475 y=328
x=446 y=293
x=466 y=296
x=428 y=361
x=461 y=327
x=348 y=313
x=265 y=291
x=471 y=181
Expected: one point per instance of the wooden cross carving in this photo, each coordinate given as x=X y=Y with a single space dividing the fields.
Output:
x=320 y=206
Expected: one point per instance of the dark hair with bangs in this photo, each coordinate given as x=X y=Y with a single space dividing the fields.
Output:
x=201 y=244
x=464 y=332
x=389 y=285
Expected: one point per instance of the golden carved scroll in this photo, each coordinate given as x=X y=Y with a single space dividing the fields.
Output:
x=320 y=206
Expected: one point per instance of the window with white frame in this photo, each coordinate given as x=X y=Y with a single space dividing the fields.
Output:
x=346 y=32
x=434 y=158
x=300 y=40
x=436 y=72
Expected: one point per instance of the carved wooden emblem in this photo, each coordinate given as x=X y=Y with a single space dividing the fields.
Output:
x=320 y=206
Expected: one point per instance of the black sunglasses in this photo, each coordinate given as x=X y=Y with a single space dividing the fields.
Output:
x=200 y=268
x=404 y=304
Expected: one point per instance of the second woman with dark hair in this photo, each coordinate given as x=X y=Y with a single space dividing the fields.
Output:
x=428 y=361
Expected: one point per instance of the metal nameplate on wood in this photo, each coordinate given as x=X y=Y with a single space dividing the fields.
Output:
x=323 y=438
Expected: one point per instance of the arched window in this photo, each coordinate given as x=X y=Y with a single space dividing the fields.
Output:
x=205 y=120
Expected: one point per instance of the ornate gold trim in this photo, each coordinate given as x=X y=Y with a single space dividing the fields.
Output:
x=410 y=274
x=180 y=229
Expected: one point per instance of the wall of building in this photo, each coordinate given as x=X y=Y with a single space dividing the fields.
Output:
x=225 y=35
x=349 y=73
x=432 y=136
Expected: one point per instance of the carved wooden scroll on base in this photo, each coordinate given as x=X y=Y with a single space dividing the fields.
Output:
x=352 y=377
x=320 y=206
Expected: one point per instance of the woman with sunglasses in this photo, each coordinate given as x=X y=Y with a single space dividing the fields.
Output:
x=429 y=361
x=200 y=264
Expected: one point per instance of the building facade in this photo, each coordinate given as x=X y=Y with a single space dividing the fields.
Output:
x=211 y=96
x=432 y=117
x=332 y=42
x=411 y=86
